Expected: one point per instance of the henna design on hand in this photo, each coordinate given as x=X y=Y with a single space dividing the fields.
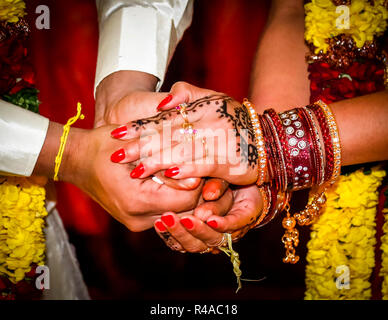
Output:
x=238 y=116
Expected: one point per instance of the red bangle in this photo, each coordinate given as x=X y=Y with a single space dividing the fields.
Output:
x=272 y=156
x=286 y=156
x=328 y=145
x=277 y=151
x=317 y=146
x=301 y=149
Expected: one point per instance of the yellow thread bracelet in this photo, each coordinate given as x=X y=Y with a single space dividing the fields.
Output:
x=66 y=129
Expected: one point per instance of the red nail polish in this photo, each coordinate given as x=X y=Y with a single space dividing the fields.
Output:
x=164 y=102
x=118 y=156
x=160 y=226
x=187 y=223
x=172 y=172
x=138 y=171
x=168 y=220
x=119 y=132
x=212 y=223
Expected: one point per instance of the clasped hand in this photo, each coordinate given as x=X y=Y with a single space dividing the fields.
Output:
x=192 y=214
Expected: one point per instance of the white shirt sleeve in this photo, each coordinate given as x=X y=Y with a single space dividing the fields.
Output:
x=140 y=35
x=22 y=134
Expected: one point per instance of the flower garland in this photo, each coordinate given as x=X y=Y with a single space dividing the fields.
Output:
x=345 y=63
x=384 y=249
x=366 y=21
x=345 y=236
x=22 y=200
x=12 y=10
x=22 y=213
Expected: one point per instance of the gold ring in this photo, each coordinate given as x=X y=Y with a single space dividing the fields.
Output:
x=204 y=142
x=187 y=129
x=206 y=250
x=182 y=110
x=222 y=242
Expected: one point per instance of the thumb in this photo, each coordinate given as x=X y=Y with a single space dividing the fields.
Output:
x=183 y=184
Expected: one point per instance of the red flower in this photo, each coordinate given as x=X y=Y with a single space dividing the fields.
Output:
x=2 y=285
x=10 y=296
x=32 y=272
x=358 y=79
x=13 y=64
x=24 y=288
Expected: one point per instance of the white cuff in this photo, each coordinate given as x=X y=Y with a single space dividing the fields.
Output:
x=140 y=38
x=134 y=38
x=22 y=134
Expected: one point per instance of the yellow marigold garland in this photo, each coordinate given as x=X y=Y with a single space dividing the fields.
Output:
x=365 y=22
x=384 y=262
x=12 y=10
x=344 y=235
x=22 y=213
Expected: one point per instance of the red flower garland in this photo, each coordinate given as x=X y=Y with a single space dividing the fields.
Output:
x=330 y=85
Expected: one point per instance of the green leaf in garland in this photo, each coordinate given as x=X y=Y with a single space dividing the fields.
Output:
x=26 y=98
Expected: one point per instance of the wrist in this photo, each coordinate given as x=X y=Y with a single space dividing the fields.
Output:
x=46 y=161
x=76 y=146
x=118 y=85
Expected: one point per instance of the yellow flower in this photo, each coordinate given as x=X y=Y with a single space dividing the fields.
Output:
x=22 y=213
x=323 y=22
x=344 y=235
x=384 y=262
x=12 y=10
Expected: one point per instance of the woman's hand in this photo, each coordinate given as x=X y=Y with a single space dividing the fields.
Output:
x=222 y=147
x=123 y=103
x=204 y=229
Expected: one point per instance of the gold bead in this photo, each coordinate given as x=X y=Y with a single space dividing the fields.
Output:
x=288 y=223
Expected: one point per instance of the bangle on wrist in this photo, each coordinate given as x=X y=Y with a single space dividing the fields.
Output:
x=259 y=141
x=298 y=158
x=308 y=215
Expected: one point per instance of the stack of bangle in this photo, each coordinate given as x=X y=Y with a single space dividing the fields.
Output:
x=302 y=150
x=259 y=140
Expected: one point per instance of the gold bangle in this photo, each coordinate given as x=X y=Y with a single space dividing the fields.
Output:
x=265 y=194
x=259 y=140
x=335 y=139
x=66 y=129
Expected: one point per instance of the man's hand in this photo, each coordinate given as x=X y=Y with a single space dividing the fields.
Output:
x=135 y=203
x=117 y=86
x=127 y=96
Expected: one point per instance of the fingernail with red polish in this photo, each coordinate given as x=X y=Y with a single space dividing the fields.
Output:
x=187 y=223
x=164 y=102
x=168 y=220
x=160 y=226
x=118 y=156
x=119 y=132
x=212 y=223
x=138 y=171
x=172 y=172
